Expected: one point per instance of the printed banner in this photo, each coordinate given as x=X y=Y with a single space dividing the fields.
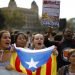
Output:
x=51 y=12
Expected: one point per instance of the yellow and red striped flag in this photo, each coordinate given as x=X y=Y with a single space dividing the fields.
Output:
x=48 y=68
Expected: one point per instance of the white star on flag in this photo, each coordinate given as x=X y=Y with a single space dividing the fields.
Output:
x=32 y=63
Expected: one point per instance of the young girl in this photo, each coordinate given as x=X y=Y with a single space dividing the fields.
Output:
x=50 y=67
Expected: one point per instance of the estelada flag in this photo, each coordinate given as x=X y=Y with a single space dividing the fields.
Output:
x=31 y=62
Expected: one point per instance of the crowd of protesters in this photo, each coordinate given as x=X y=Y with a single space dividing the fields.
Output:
x=64 y=42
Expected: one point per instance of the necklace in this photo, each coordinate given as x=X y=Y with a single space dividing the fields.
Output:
x=2 y=52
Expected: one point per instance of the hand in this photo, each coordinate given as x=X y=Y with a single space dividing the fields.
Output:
x=55 y=52
x=8 y=67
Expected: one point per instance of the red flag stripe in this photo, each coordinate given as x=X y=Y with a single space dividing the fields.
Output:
x=48 y=66
x=17 y=64
x=29 y=72
x=38 y=71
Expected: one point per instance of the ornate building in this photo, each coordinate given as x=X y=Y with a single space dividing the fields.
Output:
x=22 y=18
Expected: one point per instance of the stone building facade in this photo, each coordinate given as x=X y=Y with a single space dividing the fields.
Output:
x=22 y=18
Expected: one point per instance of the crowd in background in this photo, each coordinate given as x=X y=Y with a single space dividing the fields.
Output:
x=64 y=42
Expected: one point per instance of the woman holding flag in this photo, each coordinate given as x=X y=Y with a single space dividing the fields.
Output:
x=48 y=68
x=20 y=40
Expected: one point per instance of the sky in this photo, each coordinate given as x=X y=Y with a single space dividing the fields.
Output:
x=67 y=9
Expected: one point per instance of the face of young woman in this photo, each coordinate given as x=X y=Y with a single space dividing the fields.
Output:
x=38 y=41
x=21 y=41
x=5 y=40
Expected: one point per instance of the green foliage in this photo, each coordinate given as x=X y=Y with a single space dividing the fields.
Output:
x=14 y=18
